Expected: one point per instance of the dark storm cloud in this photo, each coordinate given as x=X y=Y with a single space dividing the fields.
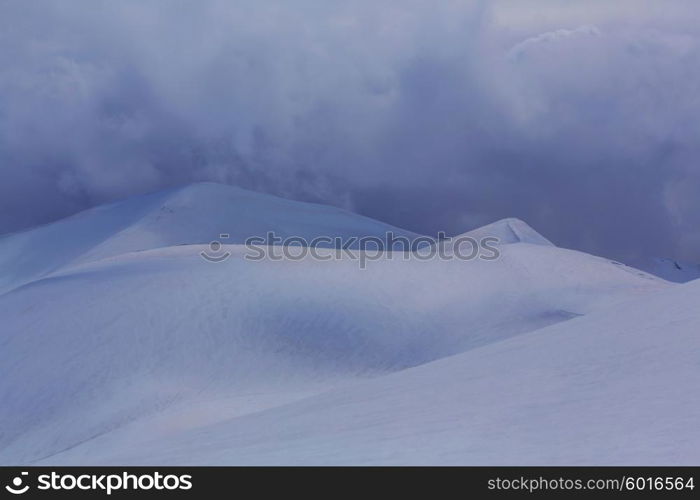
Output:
x=583 y=121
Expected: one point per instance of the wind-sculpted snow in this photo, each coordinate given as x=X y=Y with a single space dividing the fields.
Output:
x=509 y=231
x=119 y=343
x=199 y=213
x=103 y=344
x=616 y=387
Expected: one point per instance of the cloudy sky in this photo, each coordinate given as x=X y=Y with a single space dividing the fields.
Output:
x=580 y=117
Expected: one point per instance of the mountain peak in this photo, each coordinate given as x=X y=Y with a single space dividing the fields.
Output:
x=508 y=231
x=192 y=214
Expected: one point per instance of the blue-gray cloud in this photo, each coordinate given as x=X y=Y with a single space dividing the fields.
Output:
x=432 y=116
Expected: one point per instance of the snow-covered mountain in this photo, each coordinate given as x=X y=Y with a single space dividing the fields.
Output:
x=198 y=213
x=509 y=231
x=120 y=344
x=671 y=269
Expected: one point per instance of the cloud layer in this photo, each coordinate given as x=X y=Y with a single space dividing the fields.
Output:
x=584 y=122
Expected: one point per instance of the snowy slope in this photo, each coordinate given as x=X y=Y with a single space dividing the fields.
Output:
x=120 y=344
x=671 y=270
x=109 y=343
x=198 y=213
x=508 y=231
x=618 y=386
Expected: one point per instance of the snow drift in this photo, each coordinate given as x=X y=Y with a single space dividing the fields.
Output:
x=199 y=213
x=616 y=387
x=120 y=344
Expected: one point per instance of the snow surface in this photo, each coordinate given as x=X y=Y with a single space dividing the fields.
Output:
x=197 y=213
x=128 y=347
x=670 y=269
x=509 y=231
x=615 y=387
